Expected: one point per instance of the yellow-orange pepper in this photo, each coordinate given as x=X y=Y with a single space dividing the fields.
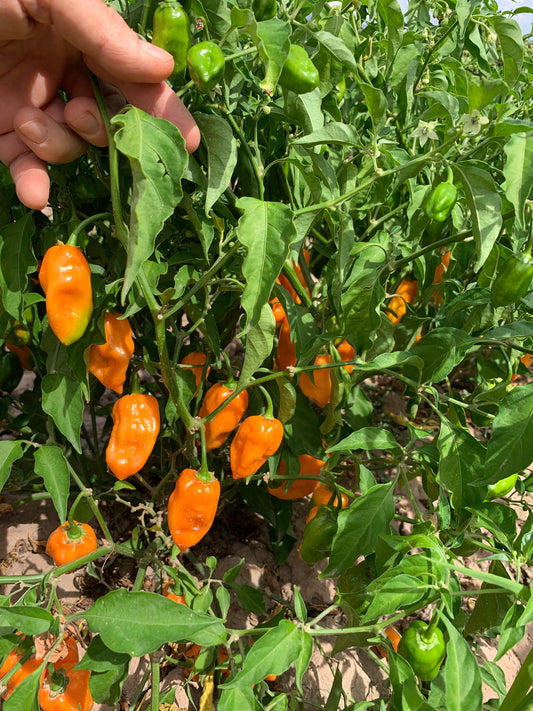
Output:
x=320 y=390
x=309 y=466
x=285 y=352
x=218 y=429
x=346 y=352
x=257 y=439
x=109 y=361
x=406 y=293
x=136 y=425
x=65 y=277
x=285 y=283
x=192 y=507
x=197 y=360
x=71 y=541
x=322 y=496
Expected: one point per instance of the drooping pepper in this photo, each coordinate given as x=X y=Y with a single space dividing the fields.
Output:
x=320 y=390
x=286 y=351
x=300 y=487
x=172 y=32
x=440 y=201
x=218 y=429
x=285 y=283
x=136 y=424
x=192 y=507
x=109 y=361
x=406 y=293
x=65 y=277
x=71 y=541
x=299 y=74
x=502 y=487
x=65 y=689
x=257 y=439
x=513 y=280
x=346 y=352
x=318 y=535
x=197 y=360
x=424 y=648
x=206 y=65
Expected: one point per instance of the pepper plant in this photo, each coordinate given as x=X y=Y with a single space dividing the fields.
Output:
x=358 y=218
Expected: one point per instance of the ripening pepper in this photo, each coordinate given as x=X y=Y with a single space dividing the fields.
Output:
x=136 y=425
x=513 y=280
x=300 y=487
x=29 y=666
x=406 y=293
x=23 y=355
x=172 y=32
x=65 y=277
x=168 y=592
x=424 y=648
x=71 y=541
x=394 y=636
x=285 y=352
x=206 y=65
x=109 y=361
x=65 y=689
x=277 y=310
x=192 y=507
x=318 y=535
x=218 y=429
x=197 y=360
x=324 y=496
x=320 y=390
x=285 y=283
x=257 y=439
x=440 y=201
x=346 y=352
x=299 y=74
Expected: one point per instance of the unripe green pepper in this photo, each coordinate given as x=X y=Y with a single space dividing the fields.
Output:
x=264 y=9
x=502 y=487
x=318 y=535
x=10 y=371
x=299 y=74
x=172 y=32
x=513 y=281
x=424 y=648
x=440 y=202
x=206 y=65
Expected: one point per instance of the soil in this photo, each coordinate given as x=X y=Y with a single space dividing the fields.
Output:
x=236 y=535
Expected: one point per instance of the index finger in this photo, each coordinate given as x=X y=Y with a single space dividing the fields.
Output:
x=98 y=31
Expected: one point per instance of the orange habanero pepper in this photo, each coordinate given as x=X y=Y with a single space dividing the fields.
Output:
x=406 y=293
x=218 y=429
x=285 y=283
x=197 y=360
x=309 y=466
x=320 y=390
x=66 y=689
x=277 y=310
x=109 y=361
x=346 y=352
x=65 y=277
x=22 y=672
x=257 y=439
x=192 y=507
x=285 y=352
x=136 y=425
x=392 y=633
x=71 y=541
x=168 y=592
x=322 y=496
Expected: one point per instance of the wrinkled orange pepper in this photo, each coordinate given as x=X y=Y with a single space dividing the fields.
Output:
x=346 y=352
x=320 y=390
x=322 y=496
x=257 y=439
x=285 y=283
x=66 y=689
x=439 y=273
x=277 y=310
x=392 y=633
x=168 y=592
x=109 y=361
x=65 y=277
x=71 y=541
x=309 y=466
x=197 y=360
x=218 y=429
x=285 y=352
x=192 y=507
x=136 y=425
x=406 y=293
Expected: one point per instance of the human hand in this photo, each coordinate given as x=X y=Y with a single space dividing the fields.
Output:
x=47 y=45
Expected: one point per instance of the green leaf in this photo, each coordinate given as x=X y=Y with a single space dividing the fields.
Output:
x=52 y=466
x=10 y=451
x=63 y=401
x=287 y=400
x=391 y=12
x=302 y=661
x=512 y=45
x=360 y=525
x=241 y=698
x=16 y=262
x=273 y=653
x=484 y=204
x=395 y=595
x=492 y=605
x=338 y=49
x=461 y=673
x=266 y=230
x=221 y=148
x=377 y=105
x=518 y=172
x=367 y=438
x=441 y=351
x=99 y=658
x=250 y=598
x=28 y=620
x=510 y=449
x=258 y=344
x=157 y=156
x=333 y=133
x=138 y=623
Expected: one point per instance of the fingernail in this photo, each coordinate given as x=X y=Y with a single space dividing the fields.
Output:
x=87 y=124
x=34 y=130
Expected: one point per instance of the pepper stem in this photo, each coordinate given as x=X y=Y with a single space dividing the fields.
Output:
x=428 y=634
x=136 y=384
x=73 y=530
x=269 y=412
x=203 y=473
x=449 y=175
x=230 y=382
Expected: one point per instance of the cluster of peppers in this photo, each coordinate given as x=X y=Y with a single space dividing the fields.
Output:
x=205 y=60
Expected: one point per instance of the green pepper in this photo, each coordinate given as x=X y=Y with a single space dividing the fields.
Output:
x=513 y=281
x=318 y=535
x=264 y=9
x=502 y=487
x=440 y=202
x=424 y=648
x=206 y=65
x=172 y=31
x=10 y=371
x=299 y=74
